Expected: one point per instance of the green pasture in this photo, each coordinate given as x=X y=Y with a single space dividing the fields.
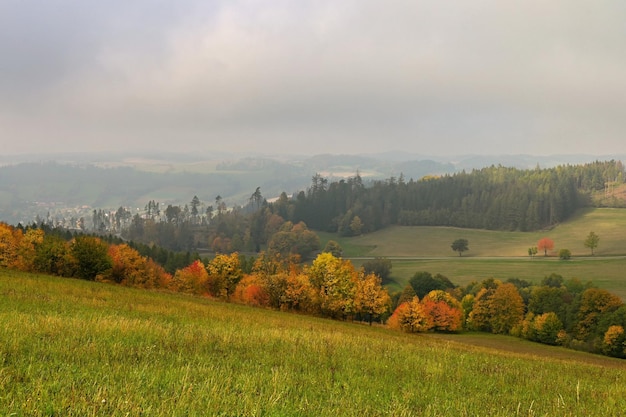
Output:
x=501 y=255
x=417 y=241
x=607 y=273
x=77 y=348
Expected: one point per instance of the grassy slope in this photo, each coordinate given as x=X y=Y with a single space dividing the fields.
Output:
x=609 y=224
x=77 y=348
x=502 y=254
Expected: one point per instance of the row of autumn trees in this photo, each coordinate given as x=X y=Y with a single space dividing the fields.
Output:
x=567 y=313
x=555 y=312
x=329 y=287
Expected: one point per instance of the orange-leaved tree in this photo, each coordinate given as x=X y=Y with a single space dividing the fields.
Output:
x=192 y=279
x=545 y=244
x=444 y=310
x=299 y=294
x=410 y=317
x=133 y=270
x=250 y=290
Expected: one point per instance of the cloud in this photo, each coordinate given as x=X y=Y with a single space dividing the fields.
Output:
x=426 y=76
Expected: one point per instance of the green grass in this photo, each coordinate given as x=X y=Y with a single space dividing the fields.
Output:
x=498 y=254
x=609 y=224
x=607 y=273
x=76 y=348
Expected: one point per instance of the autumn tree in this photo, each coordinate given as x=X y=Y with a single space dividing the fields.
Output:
x=594 y=304
x=546 y=328
x=192 y=279
x=410 y=317
x=497 y=310
x=127 y=263
x=371 y=299
x=592 y=241
x=507 y=307
x=614 y=342
x=335 y=282
x=545 y=244
x=132 y=269
x=444 y=310
x=299 y=294
x=250 y=290
x=460 y=246
x=224 y=274
x=10 y=238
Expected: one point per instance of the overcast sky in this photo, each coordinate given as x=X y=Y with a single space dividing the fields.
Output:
x=314 y=76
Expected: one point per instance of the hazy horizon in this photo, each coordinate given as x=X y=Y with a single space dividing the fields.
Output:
x=313 y=77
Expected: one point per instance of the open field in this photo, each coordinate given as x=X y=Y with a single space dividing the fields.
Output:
x=77 y=348
x=609 y=224
x=607 y=273
x=500 y=255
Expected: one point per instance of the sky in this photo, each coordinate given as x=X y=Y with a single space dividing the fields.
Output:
x=313 y=76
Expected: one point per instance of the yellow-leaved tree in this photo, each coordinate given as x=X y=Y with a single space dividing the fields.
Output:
x=224 y=275
x=335 y=283
x=371 y=298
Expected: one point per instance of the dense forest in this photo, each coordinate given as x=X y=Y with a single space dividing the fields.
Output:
x=496 y=198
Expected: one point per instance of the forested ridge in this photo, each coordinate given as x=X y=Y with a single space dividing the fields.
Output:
x=495 y=198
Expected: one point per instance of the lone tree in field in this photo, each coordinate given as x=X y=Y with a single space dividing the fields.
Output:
x=592 y=241
x=460 y=246
x=545 y=244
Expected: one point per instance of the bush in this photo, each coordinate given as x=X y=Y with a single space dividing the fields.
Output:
x=565 y=254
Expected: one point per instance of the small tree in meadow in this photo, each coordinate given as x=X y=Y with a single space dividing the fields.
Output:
x=460 y=246
x=591 y=241
x=565 y=254
x=545 y=244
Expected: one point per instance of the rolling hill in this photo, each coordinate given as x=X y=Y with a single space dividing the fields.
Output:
x=71 y=347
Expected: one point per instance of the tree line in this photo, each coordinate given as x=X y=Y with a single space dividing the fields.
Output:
x=568 y=313
x=495 y=198
x=557 y=312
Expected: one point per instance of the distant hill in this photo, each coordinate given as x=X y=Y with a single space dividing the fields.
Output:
x=75 y=183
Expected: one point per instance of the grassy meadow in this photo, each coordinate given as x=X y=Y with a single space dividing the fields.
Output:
x=418 y=241
x=77 y=348
x=499 y=254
